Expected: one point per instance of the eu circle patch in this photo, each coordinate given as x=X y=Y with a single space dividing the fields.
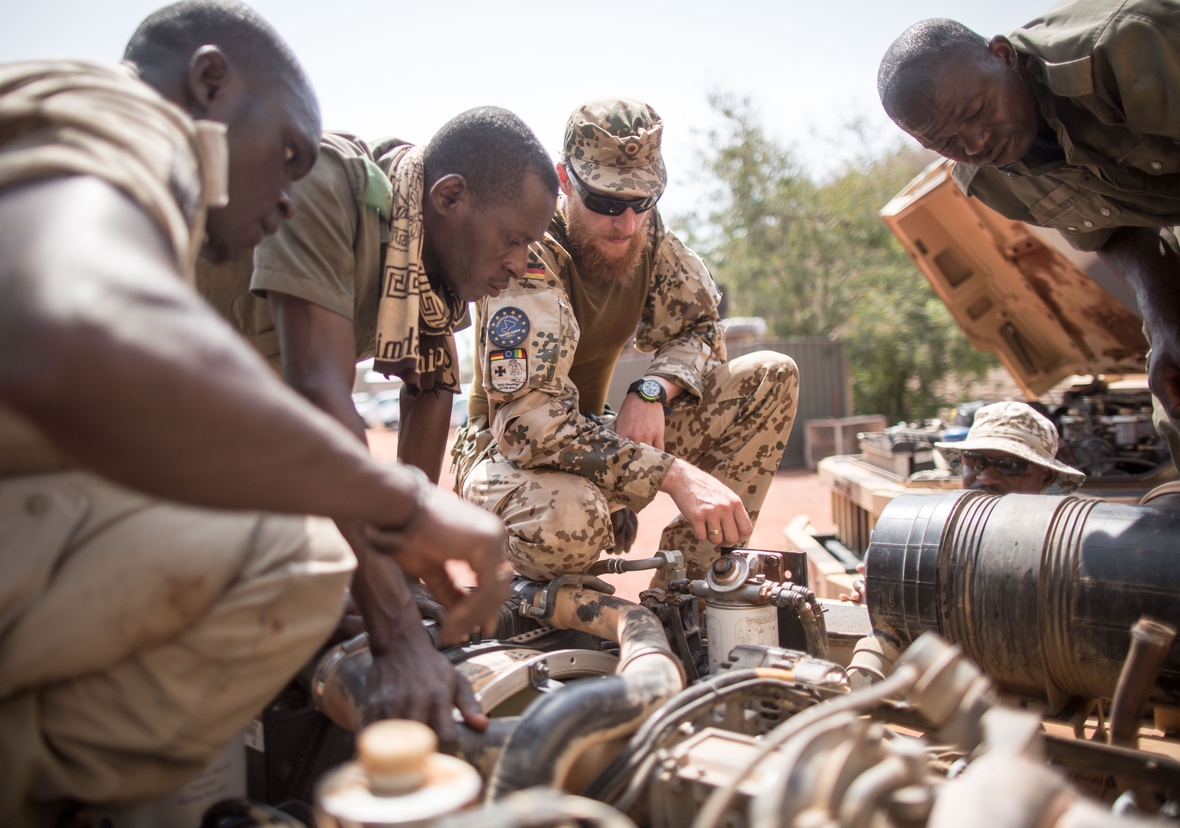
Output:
x=508 y=328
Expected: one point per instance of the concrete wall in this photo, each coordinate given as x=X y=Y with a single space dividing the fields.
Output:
x=824 y=382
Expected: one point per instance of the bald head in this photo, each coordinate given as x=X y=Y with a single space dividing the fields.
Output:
x=959 y=94
x=220 y=61
x=171 y=35
x=915 y=61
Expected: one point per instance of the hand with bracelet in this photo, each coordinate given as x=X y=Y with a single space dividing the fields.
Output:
x=444 y=528
x=409 y=679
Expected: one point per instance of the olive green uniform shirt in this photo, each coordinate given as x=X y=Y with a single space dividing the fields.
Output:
x=330 y=253
x=1106 y=77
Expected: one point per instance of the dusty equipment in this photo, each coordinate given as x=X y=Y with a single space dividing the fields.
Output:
x=649 y=713
x=1018 y=291
x=643 y=654
x=1039 y=591
x=902 y=449
x=879 y=756
x=1106 y=431
x=745 y=595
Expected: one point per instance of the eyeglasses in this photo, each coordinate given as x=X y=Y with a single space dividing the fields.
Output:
x=1007 y=465
x=606 y=206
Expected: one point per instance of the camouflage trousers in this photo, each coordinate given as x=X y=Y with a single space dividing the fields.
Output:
x=559 y=523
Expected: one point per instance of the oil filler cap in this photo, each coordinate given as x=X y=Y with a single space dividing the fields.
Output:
x=394 y=754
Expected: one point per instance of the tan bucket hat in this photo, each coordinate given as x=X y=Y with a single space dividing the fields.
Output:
x=1015 y=428
x=613 y=146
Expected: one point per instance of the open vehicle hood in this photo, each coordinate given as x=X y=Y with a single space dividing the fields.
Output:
x=1021 y=292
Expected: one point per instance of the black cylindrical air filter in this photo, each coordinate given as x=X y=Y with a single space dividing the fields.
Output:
x=1041 y=592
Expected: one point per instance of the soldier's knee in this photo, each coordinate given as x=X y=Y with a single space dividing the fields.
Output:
x=561 y=534
x=776 y=375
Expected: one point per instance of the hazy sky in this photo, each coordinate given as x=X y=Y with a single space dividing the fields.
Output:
x=403 y=69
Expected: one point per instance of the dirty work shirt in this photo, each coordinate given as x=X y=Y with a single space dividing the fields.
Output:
x=60 y=118
x=552 y=470
x=1106 y=77
x=329 y=253
x=169 y=626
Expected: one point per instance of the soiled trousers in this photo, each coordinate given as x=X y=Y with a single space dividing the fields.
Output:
x=559 y=523
x=138 y=637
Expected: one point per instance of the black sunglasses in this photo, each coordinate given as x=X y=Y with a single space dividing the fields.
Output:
x=1007 y=465
x=605 y=206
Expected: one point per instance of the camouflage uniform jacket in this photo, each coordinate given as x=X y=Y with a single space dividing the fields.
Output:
x=1106 y=77
x=528 y=344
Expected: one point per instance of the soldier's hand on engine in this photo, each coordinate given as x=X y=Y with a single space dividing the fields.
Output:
x=452 y=530
x=715 y=513
x=414 y=681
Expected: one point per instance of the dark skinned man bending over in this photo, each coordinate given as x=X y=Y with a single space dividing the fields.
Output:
x=1069 y=122
x=141 y=625
x=386 y=247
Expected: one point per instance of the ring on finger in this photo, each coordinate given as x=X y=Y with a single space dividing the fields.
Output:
x=714 y=531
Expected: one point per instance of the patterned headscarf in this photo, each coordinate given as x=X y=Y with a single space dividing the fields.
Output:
x=415 y=322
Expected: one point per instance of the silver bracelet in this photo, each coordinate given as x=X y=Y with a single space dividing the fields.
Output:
x=393 y=539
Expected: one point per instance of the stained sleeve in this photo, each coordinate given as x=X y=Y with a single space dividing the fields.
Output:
x=526 y=340
x=681 y=321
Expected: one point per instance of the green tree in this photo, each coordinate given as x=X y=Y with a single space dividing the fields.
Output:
x=815 y=259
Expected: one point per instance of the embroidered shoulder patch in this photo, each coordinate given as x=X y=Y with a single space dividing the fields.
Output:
x=508 y=328
x=508 y=370
x=534 y=270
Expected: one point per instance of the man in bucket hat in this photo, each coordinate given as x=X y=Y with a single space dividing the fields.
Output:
x=541 y=451
x=1011 y=449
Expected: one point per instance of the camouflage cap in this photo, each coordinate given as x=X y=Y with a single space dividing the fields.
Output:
x=1015 y=428
x=613 y=146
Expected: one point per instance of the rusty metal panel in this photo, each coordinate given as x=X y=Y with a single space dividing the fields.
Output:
x=1015 y=290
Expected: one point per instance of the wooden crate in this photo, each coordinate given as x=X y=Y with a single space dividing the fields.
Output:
x=825 y=438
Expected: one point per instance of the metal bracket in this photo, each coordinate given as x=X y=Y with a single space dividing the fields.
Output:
x=539 y=676
x=544 y=605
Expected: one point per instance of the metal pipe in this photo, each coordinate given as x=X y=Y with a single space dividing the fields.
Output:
x=863 y=795
x=1150 y=643
x=558 y=727
x=615 y=566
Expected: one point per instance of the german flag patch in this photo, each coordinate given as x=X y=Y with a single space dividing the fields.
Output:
x=508 y=370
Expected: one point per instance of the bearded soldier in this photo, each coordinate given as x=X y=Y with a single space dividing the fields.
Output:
x=540 y=450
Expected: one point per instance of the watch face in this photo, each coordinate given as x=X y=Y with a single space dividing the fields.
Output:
x=649 y=390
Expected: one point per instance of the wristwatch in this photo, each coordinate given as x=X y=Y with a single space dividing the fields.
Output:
x=649 y=391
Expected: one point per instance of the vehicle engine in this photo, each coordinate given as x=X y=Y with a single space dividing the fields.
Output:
x=714 y=702
x=1107 y=433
